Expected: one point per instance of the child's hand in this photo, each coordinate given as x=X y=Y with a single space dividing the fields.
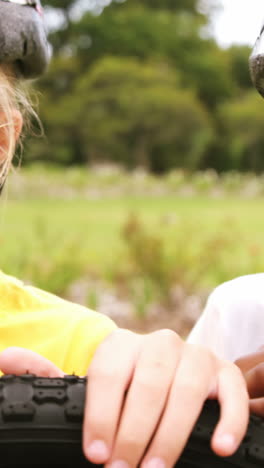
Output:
x=252 y=367
x=20 y=361
x=167 y=382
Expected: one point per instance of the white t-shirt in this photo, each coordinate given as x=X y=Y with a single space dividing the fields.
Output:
x=232 y=324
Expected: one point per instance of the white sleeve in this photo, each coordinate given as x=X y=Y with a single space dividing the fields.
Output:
x=232 y=324
x=207 y=331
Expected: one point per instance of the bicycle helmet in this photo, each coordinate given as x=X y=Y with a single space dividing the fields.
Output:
x=256 y=63
x=23 y=39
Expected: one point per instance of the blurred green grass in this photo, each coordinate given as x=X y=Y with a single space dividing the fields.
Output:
x=41 y=237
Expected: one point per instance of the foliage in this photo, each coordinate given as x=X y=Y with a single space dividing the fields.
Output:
x=243 y=126
x=120 y=104
x=127 y=104
x=167 y=91
x=239 y=66
x=138 y=236
x=48 y=182
x=159 y=267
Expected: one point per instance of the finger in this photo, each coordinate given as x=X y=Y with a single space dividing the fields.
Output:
x=109 y=376
x=252 y=360
x=147 y=395
x=20 y=361
x=190 y=389
x=255 y=381
x=234 y=402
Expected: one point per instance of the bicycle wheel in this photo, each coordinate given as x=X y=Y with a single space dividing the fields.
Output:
x=41 y=423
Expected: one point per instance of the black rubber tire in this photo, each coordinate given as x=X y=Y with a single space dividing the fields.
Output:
x=41 y=424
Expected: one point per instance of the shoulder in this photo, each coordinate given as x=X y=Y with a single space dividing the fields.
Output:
x=239 y=306
x=243 y=291
x=19 y=298
x=232 y=324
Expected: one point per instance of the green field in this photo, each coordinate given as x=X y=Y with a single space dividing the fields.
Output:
x=200 y=241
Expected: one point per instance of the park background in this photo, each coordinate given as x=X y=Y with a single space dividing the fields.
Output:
x=144 y=189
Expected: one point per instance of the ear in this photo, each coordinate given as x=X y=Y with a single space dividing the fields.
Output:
x=4 y=135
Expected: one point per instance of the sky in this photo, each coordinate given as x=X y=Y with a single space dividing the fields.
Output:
x=239 y=21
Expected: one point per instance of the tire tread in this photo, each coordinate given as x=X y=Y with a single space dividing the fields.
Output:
x=41 y=423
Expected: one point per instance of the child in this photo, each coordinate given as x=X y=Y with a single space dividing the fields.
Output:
x=139 y=385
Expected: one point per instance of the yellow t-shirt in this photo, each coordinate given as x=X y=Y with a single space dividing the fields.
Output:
x=65 y=333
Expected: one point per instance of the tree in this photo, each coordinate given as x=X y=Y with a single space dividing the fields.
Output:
x=133 y=29
x=133 y=112
x=145 y=36
x=238 y=56
x=207 y=69
x=180 y=5
x=67 y=4
x=243 y=122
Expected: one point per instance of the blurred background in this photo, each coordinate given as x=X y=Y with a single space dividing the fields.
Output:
x=146 y=189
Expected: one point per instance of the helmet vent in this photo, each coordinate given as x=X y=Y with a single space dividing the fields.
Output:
x=25 y=47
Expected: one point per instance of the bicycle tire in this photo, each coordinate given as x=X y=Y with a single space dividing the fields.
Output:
x=41 y=423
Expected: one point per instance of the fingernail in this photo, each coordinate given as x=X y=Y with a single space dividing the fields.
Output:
x=98 y=451
x=227 y=441
x=119 y=464
x=155 y=463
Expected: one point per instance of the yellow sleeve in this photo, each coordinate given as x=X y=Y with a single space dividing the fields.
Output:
x=65 y=333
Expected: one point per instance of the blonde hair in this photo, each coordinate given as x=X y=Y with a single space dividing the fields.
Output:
x=13 y=96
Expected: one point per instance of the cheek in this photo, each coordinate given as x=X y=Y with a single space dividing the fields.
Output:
x=7 y=143
x=4 y=139
x=3 y=153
